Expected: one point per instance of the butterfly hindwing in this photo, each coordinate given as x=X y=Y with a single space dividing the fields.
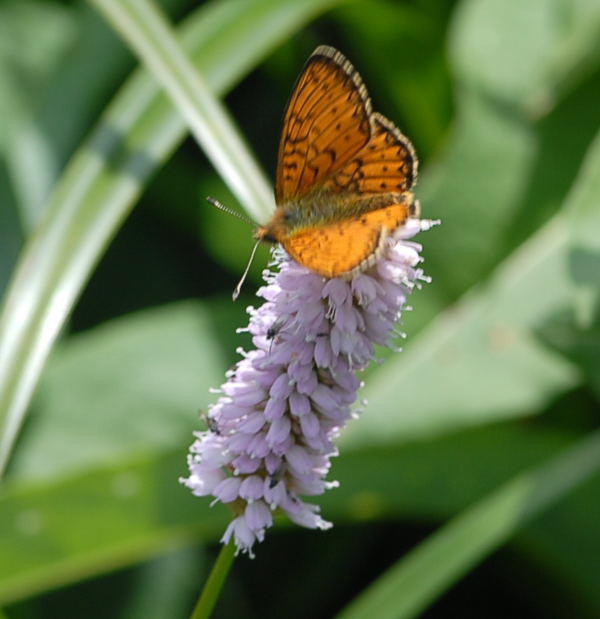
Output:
x=387 y=163
x=339 y=248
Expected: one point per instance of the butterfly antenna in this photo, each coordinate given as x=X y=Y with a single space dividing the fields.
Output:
x=226 y=209
x=236 y=292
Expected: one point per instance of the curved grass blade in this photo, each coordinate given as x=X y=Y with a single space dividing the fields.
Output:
x=584 y=245
x=105 y=177
x=146 y=30
x=429 y=570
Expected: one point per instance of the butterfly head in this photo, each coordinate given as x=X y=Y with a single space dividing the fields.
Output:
x=278 y=227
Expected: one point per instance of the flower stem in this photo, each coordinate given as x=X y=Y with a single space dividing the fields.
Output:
x=212 y=589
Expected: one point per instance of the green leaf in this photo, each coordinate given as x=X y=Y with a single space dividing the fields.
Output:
x=104 y=179
x=420 y=577
x=489 y=183
x=564 y=542
x=525 y=53
x=130 y=386
x=576 y=339
x=11 y=236
x=136 y=509
x=66 y=530
x=481 y=357
x=478 y=361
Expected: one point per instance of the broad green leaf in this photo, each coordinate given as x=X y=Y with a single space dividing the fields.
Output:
x=132 y=385
x=565 y=544
x=524 y=53
x=63 y=531
x=476 y=190
x=420 y=577
x=136 y=509
x=138 y=131
x=480 y=360
x=489 y=183
x=576 y=339
x=575 y=332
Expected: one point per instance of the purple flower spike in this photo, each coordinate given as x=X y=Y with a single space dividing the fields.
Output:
x=271 y=432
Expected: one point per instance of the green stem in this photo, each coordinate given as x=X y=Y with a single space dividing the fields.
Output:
x=212 y=589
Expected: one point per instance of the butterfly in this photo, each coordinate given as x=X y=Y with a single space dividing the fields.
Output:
x=344 y=172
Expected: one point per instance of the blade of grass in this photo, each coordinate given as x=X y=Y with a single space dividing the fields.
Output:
x=584 y=242
x=419 y=578
x=103 y=180
x=146 y=30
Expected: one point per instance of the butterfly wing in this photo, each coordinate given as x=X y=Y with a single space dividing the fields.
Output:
x=386 y=164
x=344 y=247
x=332 y=140
x=326 y=123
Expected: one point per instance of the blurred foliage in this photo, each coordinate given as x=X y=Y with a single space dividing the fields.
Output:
x=500 y=372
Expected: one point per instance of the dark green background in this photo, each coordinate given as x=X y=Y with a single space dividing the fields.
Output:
x=501 y=368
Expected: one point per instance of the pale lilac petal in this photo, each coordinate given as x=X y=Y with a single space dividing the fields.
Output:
x=310 y=425
x=251 y=488
x=282 y=387
x=275 y=408
x=252 y=424
x=272 y=463
x=299 y=404
x=275 y=492
x=258 y=516
x=308 y=383
x=310 y=520
x=242 y=534
x=323 y=397
x=205 y=482
x=279 y=431
x=228 y=489
x=298 y=459
x=245 y=465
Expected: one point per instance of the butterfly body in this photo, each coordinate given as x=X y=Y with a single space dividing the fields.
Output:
x=344 y=172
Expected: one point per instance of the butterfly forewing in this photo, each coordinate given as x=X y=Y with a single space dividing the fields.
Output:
x=327 y=122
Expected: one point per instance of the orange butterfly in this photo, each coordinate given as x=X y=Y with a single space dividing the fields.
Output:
x=344 y=172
